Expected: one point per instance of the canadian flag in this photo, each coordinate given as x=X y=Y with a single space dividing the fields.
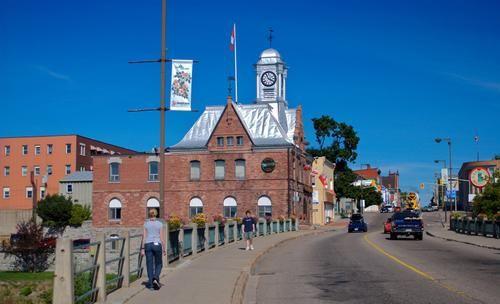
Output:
x=323 y=180
x=233 y=38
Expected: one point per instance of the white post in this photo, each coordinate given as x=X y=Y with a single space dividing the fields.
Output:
x=235 y=67
x=126 y=260
x=181 y=243
x=166 y=245
x=216 y=239
x=278 y=225
x=265 y=227
x=101 y=273
x=271 y=227
x=207 y=235
x=194 y=239
x=235 y=231
x=63 y=275
x=226 y=234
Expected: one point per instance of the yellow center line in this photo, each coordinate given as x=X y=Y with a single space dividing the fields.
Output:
x=415 y=269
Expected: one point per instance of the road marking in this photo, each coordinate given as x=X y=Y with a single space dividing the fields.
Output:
x=416 y=270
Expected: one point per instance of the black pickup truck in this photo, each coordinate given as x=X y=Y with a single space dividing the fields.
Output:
x=407 y=223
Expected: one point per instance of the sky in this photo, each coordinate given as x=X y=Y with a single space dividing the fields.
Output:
x=400 y=72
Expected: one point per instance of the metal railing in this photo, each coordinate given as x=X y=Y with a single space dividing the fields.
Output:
x=476 y=227
x=108 y=266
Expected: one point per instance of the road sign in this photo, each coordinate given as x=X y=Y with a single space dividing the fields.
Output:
x=451 y=194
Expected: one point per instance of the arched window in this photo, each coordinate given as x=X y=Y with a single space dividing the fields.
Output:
x=115 y=209
x=114 y=172
x=152 y=203
x=194 y=170
x=264 y=206
x=220 y=169
x=195 y=206
x=230 y=207
x=239 y=168
x=153 y=171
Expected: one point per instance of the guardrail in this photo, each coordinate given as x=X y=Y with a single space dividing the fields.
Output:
x=91 y=283
x=476 y=227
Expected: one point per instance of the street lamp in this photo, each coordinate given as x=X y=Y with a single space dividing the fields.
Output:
x=448 y=140
x=442 y=197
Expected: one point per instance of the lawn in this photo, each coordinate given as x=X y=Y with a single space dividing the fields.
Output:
x=25 y=287
x=25 y=276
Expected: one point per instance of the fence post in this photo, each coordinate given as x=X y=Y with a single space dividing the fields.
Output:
x=167 y=242
x=181 y=243
x=207 y=236
x=101 y=273
x=265 y=227
x=271 y=227
x=126 y=260
x=216 y=239
x=63 y=277
x=235 y=231
x=296 y=224
x=194 y=239
x=226 y=234
x=278 y=225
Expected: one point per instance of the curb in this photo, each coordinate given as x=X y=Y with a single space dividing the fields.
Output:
x=240 y=286
x=463 y=242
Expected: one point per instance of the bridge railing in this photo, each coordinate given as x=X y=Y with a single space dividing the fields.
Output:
x=476 y=227
x=88 y=273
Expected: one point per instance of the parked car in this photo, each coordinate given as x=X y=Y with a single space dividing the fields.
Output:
x=407 y=223
x=427 y=209
x=357 y=223
x=387 y=225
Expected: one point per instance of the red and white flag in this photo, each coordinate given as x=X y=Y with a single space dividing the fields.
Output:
x=233 y=38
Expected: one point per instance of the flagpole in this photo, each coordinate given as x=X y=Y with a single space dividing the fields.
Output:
x=235 y=66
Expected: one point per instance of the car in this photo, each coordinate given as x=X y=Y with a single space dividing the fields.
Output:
x=357 y=224
x=387 y=225
x=426 y=209
x=407 y=222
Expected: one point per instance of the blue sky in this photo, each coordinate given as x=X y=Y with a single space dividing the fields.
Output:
x=400 y=72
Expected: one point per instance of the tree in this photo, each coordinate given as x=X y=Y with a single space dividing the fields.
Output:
x=488 y=202
x=30 y=248
x=79 y=214
x=55 y=211
x=338 y=142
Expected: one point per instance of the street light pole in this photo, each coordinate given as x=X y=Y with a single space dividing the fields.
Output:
x=162 y=104
x=448 y=140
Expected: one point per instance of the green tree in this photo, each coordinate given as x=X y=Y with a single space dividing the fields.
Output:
x=55 y=211
x=79 y=214
x=488 y=202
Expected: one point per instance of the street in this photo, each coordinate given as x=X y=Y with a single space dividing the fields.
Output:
x=337 y=267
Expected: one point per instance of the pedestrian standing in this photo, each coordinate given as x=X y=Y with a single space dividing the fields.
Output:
x=248 y=229
x=154 y=245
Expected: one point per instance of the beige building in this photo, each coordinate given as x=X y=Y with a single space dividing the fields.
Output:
x=323 y=194
x=78 y=186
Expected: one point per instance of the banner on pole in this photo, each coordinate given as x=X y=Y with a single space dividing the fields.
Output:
x=180 y=90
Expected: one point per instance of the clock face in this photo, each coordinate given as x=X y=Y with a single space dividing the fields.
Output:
x=268 y=78
x=479 y=177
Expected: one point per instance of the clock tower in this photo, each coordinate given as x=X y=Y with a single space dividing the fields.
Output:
x=271 y=73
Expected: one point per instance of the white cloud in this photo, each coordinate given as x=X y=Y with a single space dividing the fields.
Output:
x=53 y=74
x=476 y=82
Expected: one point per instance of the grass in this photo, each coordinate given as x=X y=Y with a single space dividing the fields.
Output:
x=25 y=276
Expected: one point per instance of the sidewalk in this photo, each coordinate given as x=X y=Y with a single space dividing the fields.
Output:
x=218 y=276
x=434 y=227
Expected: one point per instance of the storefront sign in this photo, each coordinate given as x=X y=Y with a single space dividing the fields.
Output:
x=479 y=177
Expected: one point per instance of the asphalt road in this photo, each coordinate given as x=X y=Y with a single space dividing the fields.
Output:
x=341 y=267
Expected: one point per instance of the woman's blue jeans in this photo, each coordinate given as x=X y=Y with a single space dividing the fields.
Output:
x=154 y=261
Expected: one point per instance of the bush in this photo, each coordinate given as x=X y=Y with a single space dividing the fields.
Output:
x=25 y=291
x=488 y=202
x=79 y=214
x=46 y=296
x=55 y=211
x=220 y=219
x=30 y=248
x=174 y=222
x=200 y=219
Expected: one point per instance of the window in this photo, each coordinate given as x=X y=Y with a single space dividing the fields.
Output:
x=230 y=141
x=37 y=150
x=6 y=192
x=49 y=169
x=29 y=192
x=239 y=168
x=114 y=172
x=7 y=150
x=37 y=170
x=82 y=168
x=115 y=242
x=50 y=149
x=6 y=171
x=25 y=149
x=239 y=140
x=265 y=206
x=82 y=149
x=195 y=170
x=24 y=170
x=153 y=171
x=69 y=188
x=230 y=207
x=195 y=206
x=152 y=203
x=220 y=141
x=68 y=170
x=68 y=148
x=42 y=192
x=220 y=168
x=115 y=209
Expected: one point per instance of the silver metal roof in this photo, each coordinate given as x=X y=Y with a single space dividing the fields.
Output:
x=263 y=128
x=270 y=56
x=78 y=176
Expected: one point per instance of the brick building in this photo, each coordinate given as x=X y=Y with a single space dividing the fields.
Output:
x=469 y=183
x=49 y=159
x=235 y=157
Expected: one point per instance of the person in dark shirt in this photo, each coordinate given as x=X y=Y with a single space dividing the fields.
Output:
x=248 y=229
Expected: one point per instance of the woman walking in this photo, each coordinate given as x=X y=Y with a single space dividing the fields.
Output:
x=153 y=245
